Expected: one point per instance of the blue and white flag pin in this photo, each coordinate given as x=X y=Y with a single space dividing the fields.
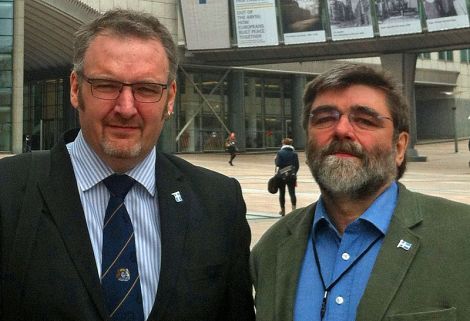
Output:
x=177 y=196
x=404 y=245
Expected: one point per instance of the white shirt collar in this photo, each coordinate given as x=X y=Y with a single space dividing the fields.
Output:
x=92 y=170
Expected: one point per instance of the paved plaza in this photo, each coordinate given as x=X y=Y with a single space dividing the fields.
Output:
x=445 y=174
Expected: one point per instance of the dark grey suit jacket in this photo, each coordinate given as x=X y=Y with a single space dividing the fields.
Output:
x=50 y=273
x=430 y=281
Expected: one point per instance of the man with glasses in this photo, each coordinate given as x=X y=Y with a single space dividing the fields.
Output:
x=105 y=227
x=368 y=249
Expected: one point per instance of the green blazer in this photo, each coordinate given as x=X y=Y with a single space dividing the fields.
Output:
x=430 y=281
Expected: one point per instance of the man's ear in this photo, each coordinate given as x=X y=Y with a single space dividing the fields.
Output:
x=401 y=147
x=170 y=104
x=74 y=89
x=171 y=96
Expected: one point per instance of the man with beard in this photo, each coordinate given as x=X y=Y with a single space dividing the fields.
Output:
x=368 y=249
x=104 y=226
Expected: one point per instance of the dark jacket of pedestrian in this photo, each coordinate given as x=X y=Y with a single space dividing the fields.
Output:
x=287 y=156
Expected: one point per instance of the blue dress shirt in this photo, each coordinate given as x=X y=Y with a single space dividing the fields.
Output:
x=347 y=260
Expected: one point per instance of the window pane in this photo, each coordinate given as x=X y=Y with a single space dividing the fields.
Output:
x=6 y=27
x=5 y=79
x=464 y=55
x=6 y=44
x=450 y=55
x=6 y=10
x=6 y=62
x=5 y=128
x=5 y=96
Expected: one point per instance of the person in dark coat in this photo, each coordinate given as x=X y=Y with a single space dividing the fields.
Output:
x=287 y=156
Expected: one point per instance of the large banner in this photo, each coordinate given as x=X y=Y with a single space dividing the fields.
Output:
x=301 y=21
x=206 y=24
x=256 y=23
x=445 y=14
x=398 y=17
x=350 y=19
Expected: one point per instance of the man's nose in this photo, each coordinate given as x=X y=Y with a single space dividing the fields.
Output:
x=344 y=127
x=125 y=103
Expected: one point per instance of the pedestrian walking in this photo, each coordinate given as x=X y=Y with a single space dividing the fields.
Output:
x=27 y=144
x=231 y=147
x=287 y=166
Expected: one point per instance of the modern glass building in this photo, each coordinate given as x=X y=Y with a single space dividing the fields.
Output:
x=261 y=102
x=6 y=71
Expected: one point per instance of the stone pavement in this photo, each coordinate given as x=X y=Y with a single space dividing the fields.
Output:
x=445 y=174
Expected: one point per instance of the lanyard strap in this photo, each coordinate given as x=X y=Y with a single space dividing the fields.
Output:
x=328 y=289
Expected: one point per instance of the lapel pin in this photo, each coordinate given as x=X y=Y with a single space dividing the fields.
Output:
x=404 y=245
x=177 y=196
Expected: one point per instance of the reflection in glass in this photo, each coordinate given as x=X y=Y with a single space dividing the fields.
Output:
x=6 y=44
x=6 y=10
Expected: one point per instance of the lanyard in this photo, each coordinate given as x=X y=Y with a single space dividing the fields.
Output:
x=326 y=290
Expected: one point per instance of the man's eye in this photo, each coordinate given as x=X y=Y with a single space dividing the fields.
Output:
x=367 y=121
x=148 y=89
x=106 y=86
x=324 y=118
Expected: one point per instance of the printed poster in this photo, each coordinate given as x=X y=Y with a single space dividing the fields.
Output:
x=445 y=14
x=398 y=17
x=199 y=14
x=301 y=21
x=350 y=19
x=256 y=23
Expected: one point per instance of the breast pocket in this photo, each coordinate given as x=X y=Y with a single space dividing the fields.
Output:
x=437 y=315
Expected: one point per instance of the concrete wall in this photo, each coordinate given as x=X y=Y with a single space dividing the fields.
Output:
x=165 y=10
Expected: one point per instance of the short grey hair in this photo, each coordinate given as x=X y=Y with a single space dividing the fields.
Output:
x=125 y=23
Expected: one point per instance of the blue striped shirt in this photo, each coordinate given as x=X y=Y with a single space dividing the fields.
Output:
x=141 y=203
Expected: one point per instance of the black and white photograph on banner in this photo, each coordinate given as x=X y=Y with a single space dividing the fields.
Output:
x=350 y=19
x=445 y=14
x=398 y=17
x=301 y=21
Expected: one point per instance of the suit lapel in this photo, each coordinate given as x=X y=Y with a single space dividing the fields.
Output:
x=63 y=201
x=393 y=260
x=176 y=200
x=288 y=263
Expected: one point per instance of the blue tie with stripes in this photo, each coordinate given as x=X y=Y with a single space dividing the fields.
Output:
x=120 y=278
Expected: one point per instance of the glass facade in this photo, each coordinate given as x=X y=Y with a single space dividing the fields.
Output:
x=46 y=111
x=465 y=56
x=447 y=55
x=424 y=55
x=267 y=111
x=6 y=71
x=200 y=127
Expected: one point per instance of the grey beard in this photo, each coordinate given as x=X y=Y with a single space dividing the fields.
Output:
x=112 y=151
x=346 y=177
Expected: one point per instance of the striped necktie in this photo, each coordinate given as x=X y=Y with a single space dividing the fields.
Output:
x=120 y=277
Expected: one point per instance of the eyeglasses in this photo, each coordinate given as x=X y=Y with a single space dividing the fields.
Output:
x=361 y=117
x=111 y=89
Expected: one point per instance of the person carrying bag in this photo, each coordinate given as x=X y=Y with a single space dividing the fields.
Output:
x=287 y=163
